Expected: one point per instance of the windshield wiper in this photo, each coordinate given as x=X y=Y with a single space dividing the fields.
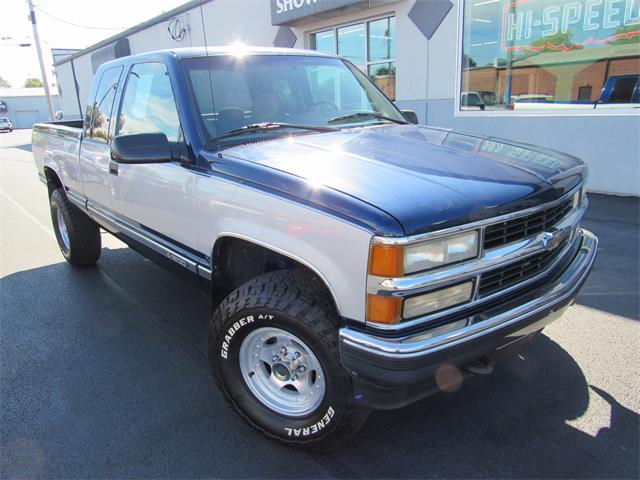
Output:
x=354 y=116
x=266 y=126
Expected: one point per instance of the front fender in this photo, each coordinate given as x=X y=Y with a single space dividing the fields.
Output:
x=336 y=250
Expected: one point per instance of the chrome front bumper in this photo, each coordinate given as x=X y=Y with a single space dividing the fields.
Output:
x=404 y=360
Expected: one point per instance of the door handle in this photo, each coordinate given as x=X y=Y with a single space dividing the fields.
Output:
x=113 y=168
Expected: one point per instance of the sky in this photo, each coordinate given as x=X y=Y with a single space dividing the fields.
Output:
x=105 y=17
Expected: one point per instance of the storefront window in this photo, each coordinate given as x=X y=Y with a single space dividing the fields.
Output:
x=382 y=39
x=550 y=54
x=351 y=43
x=369 y=45
x=323 y=42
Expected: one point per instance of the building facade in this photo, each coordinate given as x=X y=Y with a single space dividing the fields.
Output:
x=26 y=106
x=527 y=70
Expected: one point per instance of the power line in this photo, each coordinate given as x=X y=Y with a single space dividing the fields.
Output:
x=77 y=24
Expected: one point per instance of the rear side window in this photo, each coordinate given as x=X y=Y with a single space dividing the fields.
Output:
x=98 y=114
x=148 y=105
x=623 y=90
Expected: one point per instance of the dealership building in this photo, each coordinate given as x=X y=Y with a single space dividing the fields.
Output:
x=527 y=70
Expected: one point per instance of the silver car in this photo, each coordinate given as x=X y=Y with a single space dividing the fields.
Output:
x=5 y=125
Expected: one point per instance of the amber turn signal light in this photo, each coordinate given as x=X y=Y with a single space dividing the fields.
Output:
x=386 y=261
x=383 y=309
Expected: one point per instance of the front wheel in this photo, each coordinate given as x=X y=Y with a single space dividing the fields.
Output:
x=273 y=349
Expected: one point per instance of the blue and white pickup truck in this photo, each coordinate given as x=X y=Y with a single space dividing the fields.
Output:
x=356 y=259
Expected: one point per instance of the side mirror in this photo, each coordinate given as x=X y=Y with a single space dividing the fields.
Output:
x=411 y=116
x=141 y=148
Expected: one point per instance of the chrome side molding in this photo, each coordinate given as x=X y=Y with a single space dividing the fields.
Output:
x=148 y=239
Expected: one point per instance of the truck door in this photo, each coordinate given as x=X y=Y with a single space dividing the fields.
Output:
x=94 y=148
x=156 y=197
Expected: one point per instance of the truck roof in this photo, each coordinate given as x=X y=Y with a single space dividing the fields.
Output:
x=240 y=49
x=193 y=52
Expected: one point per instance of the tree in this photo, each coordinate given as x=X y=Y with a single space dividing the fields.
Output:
x=628 y=34
x=4 y=83
x=32 y=82
x=561 y=38
x=468 y=62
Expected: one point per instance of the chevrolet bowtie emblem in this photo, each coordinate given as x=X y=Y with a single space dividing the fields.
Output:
x=549 y=240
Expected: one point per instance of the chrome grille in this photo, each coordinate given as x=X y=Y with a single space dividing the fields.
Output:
x=506 y=232
x=520 y=271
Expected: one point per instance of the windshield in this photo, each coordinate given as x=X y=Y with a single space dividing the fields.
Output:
x=235 y=91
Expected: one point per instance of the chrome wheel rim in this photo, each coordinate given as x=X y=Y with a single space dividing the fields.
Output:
x=62 y=230
x=282 y=372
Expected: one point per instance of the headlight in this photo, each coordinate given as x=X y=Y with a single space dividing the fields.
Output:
x=441 y=251
x=434 y=301
x=398 y=260
x=392 y=309
x=395 y=261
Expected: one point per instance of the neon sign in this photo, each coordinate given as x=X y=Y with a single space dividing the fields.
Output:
x=592 y=22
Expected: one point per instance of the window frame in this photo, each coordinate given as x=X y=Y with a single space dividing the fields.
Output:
x=365 y=66
x=114 y=108
x=542 y=112
x=124 y=82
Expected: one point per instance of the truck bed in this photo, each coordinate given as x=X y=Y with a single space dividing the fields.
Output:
x=57 y=145
x=63 y=127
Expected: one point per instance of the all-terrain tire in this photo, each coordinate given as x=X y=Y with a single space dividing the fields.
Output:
x=288 y=300
x=78 y=235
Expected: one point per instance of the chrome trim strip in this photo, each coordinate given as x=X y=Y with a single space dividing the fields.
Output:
x=105 y=220
x=149 y=240
x=470 y=226
x=78 y=200
x=423 y=345
x=62 y=131
x=204 y=272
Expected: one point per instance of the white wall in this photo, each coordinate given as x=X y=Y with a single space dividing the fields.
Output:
x=84 y=75
x=229 y=21
x=67 y=91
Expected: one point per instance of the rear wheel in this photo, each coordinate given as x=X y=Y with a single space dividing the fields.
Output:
x=273 y=349
x=78 y=235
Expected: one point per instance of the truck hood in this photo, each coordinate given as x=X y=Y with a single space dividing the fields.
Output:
x=423 y=178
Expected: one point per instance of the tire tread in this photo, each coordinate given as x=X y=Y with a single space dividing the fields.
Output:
x=84 y=233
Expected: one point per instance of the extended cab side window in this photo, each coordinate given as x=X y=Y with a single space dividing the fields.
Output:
x=98 y=114
x=148 y=105
x=623 y=90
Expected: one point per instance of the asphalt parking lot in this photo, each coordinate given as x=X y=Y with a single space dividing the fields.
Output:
x=103 y=373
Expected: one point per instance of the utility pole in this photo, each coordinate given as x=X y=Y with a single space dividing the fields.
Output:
x=43 y=72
